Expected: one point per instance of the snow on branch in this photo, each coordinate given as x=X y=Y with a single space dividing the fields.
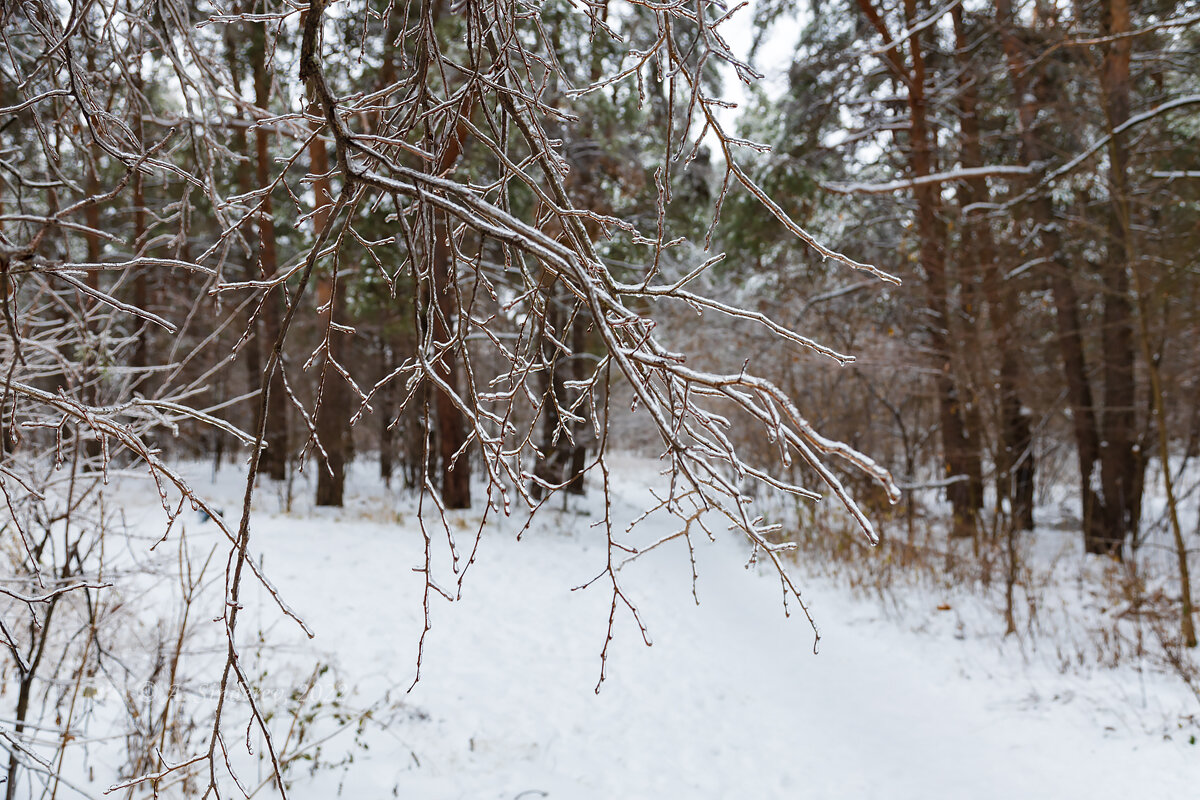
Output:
x=1052 y=177
x=968 y=173
x=454 y=186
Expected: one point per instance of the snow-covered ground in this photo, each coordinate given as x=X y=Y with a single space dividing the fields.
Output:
x=729 y=702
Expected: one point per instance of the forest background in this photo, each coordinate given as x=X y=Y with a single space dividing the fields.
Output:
x=481 y=244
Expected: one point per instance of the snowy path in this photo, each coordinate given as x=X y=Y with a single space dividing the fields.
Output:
x=730 y=702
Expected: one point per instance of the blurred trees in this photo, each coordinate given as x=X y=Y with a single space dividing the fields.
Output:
x=1029 y=169
x=495 y=208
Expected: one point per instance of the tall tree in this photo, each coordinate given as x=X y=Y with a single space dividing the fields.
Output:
x=333 y=434
x=960 y=442
x=275 y=459
x=1015 y=459
x=1109 y=464
x=445 y=321
x=1122 y=463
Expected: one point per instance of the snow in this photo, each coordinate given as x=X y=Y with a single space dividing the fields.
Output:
x=730 y=701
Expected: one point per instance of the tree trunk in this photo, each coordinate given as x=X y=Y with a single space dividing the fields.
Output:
x=1098 y=535
x=582 y=430
x=419 y=456
x=387 y=406
x=451 y=427
x=1121 y=460
x=146 y=333
x=89 y=374
x=141 y=291
x=333 y=395
x=960 y=443
x=1014 y=454
x=551 y=468
x=275 y=458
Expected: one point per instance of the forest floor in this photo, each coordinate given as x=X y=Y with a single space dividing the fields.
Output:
x=730 y=701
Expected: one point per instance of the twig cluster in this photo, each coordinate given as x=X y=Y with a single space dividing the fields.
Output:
x=450 y=175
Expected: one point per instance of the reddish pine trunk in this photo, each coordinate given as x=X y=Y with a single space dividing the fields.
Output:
x=275 y=458
x=960 y=442
x=451 y=425
x=333 y=410
x=451 y=428
x=1109 y=515
x=1121 y=461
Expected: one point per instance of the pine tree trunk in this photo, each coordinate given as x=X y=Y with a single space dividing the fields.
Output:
x=333 y=411
x=582 y=430
x=275 y=458
x=1015 y=466
x=451 y=427
x=333 y=404
x=455 y=463
x=1098 y=535
x=387 y=406
x=1121 y=460
x=960 y=442
x=89 y=374
x=555 y=457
